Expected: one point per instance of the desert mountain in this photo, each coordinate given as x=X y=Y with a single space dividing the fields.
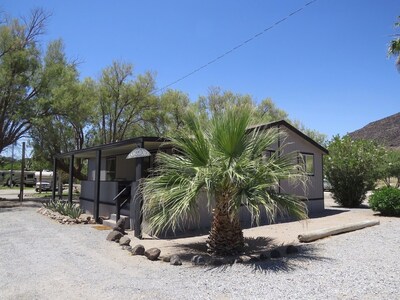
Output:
x=385 y=131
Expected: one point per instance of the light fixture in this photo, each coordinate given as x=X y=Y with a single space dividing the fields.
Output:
x=138 y=152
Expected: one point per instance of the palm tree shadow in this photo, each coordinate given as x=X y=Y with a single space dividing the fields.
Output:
x=307 y=253
x=253 y=247
x=289 y=263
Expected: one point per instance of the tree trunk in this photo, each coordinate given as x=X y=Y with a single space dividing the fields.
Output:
x=226 y=236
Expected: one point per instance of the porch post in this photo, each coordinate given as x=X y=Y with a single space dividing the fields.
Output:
x=54 y=183
x=71 y=178
x=138 y=201
x=96 y=202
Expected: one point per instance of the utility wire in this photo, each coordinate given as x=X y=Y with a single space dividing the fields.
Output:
x=236 y=47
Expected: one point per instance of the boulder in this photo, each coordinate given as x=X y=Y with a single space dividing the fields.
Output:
x=124 y=241
x=175 y=260
x=198 y=260
x=152 y=253
x=126 y=247
x=114 y=236
x=119 y=229
x=138 y=250
x=121 y=223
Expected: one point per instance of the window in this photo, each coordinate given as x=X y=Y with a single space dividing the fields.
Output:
x=268 y=154
x=110 y=168
x=307 y=161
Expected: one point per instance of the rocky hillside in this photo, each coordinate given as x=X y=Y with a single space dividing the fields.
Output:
x=385 y=131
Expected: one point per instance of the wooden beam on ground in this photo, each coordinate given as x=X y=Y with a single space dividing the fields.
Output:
x=322 y=233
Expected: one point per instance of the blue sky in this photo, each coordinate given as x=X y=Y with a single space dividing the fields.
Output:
x=327 y=66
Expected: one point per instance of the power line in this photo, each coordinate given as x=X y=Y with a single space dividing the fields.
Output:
x=236 y=47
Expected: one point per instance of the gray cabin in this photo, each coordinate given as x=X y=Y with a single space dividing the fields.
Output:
x=112 y=179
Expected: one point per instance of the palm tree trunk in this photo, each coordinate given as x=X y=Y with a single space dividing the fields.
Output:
x=226 y=236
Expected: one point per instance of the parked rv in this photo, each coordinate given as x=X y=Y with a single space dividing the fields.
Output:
x=11 y=178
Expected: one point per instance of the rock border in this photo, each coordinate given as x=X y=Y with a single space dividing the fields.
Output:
x=83 y=218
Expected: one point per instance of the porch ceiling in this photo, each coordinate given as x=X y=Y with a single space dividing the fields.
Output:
x=119 y=148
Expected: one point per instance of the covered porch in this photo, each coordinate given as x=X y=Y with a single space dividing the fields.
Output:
x=112 y=179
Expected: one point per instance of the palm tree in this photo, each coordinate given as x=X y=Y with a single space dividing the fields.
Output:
x=394 y=47
x=228 y=161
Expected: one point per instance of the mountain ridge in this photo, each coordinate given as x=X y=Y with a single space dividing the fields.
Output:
x=385 y=131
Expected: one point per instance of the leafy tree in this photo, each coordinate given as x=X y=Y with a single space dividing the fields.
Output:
x=69 y=106
x=122 y=102
x=20 y=75
x=168 y=114
x=226 y=160
x=264 y=112
x=391 y=167
x=394 y=46
x=352 y=169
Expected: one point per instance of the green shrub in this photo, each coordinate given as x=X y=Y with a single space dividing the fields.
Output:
x=64 y=208
x=386 y=200
x=352 y=169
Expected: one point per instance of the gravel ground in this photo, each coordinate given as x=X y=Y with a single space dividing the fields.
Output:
x=41 y=259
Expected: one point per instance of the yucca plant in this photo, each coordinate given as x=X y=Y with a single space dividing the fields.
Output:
x=64 y=208
x=225 y=159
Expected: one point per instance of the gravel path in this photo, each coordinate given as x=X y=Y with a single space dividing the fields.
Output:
x=41 y=259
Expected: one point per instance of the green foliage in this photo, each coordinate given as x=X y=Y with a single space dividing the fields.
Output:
x=64 y=208
x=394 y=46
x=20 y=74
x=352 y=168
x=225 y=160
x=390 y=167
x=266 y=111
x=122 y=102
x=386 y=200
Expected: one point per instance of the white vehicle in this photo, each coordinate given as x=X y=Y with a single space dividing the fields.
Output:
x=47 y=176
x=46 y=186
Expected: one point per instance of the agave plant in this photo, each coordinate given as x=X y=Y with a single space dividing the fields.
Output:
x=225 y=159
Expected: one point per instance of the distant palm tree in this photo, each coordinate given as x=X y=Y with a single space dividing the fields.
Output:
x=394 y=47
x=226 y=160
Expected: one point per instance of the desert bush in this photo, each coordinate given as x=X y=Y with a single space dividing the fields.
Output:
x=352 y=168
x=64 y=208
x=391 y=167
x=386 y=200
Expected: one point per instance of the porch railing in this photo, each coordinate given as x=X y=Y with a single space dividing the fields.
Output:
x=121 y=202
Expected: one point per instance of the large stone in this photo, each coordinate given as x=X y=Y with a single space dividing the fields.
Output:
x=124 y=241
x=152 y=253
x=129 y=248
x=114 y=236
x=121 y=223
x=119 y=229
x=198 y=260
x=175 y=260
x=138 y=250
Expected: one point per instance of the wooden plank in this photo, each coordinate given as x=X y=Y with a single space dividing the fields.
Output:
x=322 y=233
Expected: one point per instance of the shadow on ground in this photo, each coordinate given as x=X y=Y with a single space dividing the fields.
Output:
x=255 y=246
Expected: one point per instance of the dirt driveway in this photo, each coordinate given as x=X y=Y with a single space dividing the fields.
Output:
x=42 y=259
